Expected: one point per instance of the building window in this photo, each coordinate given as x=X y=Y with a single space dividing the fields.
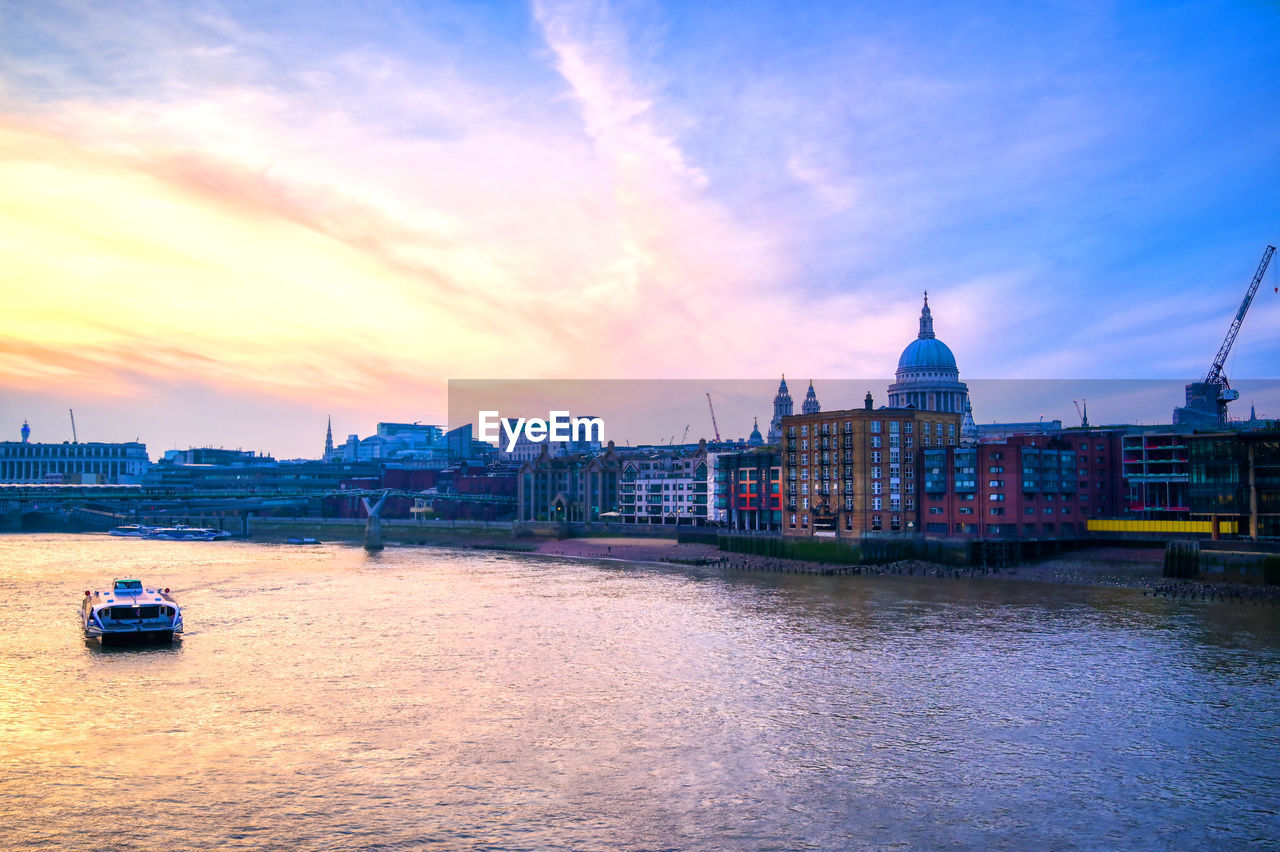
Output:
x=875 y=441
x=875 y=427
x=804 y=431
x=877 y=503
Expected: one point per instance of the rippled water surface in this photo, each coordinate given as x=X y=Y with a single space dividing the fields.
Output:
x=328 y=699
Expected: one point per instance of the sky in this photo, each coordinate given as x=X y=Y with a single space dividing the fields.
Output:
x=222 y=224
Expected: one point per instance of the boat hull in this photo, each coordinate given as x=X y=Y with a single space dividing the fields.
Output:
x=116 y=638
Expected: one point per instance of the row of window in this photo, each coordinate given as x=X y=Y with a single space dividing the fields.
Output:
x=895 y=426
x=1000 y=529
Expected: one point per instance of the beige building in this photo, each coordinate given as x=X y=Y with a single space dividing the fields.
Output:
x=858 y=471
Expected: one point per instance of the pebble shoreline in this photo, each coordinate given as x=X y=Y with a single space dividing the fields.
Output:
x=1118 y=568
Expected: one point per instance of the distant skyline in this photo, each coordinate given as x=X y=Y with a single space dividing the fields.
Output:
x=222 y=223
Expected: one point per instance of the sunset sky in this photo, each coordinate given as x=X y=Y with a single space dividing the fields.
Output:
x=223 y=222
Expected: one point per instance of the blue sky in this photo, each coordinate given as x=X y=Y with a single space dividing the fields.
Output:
x=332 y=208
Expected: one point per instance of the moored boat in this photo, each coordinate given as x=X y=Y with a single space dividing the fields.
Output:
x=128 y=612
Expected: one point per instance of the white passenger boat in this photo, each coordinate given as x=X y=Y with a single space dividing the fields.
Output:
x=130 y=531
x=185 y=533
x=178 y=534
x=127 y=612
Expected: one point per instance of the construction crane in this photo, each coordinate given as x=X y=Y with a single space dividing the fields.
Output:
x=685 y=436
x=713 y=418
x=1207 y=400
x=74 y=439
x=1083 y=412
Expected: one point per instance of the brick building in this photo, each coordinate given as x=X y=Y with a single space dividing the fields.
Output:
x=1025 y=486
x=857 y=471
x=580 y=487
x=748 y=489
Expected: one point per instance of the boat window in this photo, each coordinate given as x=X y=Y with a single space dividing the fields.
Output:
x=129 y=613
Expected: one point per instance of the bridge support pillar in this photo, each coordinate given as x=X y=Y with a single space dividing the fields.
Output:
x=373 y=526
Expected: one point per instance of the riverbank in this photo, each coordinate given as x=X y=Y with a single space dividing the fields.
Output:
x=1125 y=567
x=1136 y=568
x=1140 y=569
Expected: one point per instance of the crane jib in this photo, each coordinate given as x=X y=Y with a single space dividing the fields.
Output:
x=1214 y=376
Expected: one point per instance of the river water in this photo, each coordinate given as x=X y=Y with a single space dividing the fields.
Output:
x=325 y=698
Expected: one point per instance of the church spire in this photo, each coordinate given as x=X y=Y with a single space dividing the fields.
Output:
x=783 y=406
x=811 y=405
x=328 y=440
x=926 y=319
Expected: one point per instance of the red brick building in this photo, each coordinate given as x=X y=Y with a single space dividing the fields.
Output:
x=1026 y=486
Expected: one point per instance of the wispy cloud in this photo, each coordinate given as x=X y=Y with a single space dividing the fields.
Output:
x=342 y=203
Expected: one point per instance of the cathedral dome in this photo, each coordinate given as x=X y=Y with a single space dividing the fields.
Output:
x=927 y=353
x=927 y=377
